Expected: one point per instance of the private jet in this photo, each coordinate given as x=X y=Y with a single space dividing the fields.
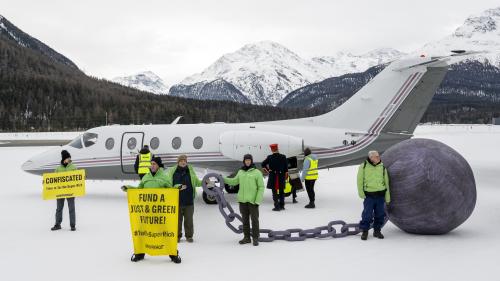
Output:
x=384 y=112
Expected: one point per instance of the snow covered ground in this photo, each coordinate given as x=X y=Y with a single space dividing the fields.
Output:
x=101 y=247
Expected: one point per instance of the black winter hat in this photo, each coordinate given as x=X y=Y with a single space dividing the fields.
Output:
x=65 y=155
x=157 y=160
x=248 y=156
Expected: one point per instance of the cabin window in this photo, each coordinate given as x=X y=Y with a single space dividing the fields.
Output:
x=198 y=142
x=131 y=143
x=89 y=139
x=154 y=143
x=176 y=143
x=77 y=142
x=110 y=143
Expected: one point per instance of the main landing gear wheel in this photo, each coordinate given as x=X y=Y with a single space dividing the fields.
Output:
x=209 y=199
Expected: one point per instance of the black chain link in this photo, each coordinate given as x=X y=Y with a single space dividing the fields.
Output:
x=213 y=185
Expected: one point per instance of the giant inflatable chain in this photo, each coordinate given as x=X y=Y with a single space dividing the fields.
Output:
x=212 y=185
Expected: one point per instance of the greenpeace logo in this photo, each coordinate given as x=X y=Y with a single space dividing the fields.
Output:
x=154 y=247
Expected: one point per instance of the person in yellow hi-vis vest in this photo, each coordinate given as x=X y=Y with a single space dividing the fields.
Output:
x=143 y=161
x=155 y=178
x=309 y=175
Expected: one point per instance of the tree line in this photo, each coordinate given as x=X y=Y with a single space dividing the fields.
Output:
x=38 y=94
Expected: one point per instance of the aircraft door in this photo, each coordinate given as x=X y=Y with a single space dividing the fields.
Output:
x=130 y=146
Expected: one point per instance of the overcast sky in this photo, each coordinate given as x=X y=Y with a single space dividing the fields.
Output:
x=178 y=38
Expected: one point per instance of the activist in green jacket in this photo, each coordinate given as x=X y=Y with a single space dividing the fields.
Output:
x=250 y=195
x=373 y=178
x=195 y=181
x=373 y=187
x=184 y=175
x=65 y=166
x=251 y=184
x=154 y=179
x=62 y=168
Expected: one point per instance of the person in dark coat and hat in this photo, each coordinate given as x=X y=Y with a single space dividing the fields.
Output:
x=276 y=165
x=66 y=165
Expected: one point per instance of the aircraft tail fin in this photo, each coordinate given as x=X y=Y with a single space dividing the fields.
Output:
x=394 y=101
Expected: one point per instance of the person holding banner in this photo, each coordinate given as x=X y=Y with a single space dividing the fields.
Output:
x=184 y=175
x=156 y=178
x=65 y=166
x=250 y=195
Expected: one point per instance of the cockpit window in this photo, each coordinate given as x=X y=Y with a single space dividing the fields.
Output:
x=77 y=142
x=89 y=139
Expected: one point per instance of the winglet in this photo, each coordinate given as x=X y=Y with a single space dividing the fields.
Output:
x=176 y=120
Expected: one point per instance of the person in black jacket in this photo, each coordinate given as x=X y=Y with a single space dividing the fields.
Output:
x=276 y=165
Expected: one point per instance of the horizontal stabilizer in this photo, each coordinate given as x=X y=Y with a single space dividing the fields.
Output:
x=457 y=56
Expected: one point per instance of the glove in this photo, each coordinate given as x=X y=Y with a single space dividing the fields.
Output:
x=124 y=188
x=180 y=186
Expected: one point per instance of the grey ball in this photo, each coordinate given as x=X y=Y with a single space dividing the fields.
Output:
x=432 y=187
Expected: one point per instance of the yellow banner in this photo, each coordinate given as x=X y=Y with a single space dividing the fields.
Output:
x=63 y=185
x=154 y=216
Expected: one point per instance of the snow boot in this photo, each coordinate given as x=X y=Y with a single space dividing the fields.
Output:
x=276 y=209
x=310 y=205
x=256 y=242
x=378 y=234
x=364 y=235
x=190 y=240
x=245 y=240
x=295 y=201
x=73 y=228
x=176 y=259
x=56 y=227
x=137 y=257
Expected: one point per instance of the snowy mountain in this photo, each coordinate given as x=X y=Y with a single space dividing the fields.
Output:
x=478 y=33
x=331 y=92
x=345 y=62
x=265 y=72
x=215 y=90
x=145 y=81
x=11 y=32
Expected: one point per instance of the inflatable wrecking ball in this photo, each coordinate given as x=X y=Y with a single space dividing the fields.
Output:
x=433 y=190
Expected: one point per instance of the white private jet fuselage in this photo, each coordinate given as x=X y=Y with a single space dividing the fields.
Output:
x=382 y=113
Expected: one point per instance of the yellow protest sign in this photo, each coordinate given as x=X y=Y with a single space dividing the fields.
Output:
x=63 y=184
x=153 y=220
